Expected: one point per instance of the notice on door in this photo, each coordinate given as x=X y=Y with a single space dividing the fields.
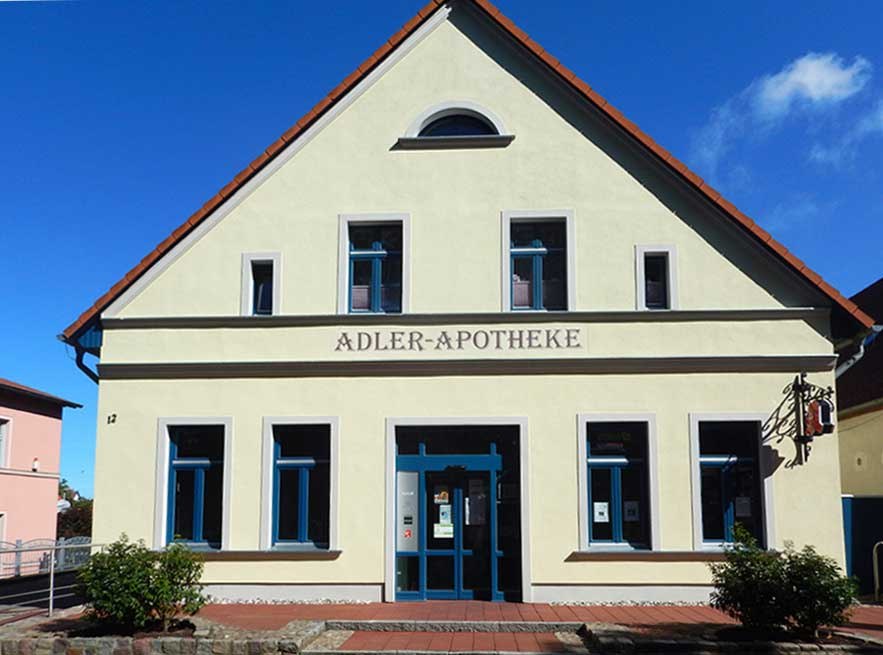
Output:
x=601 y=512
x=444 y=529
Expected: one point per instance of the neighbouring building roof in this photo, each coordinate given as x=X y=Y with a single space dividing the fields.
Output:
x=21 y=390
x=863 y=383
x=847 y=309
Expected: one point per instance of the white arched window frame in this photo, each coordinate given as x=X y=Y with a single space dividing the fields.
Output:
x=413 y=140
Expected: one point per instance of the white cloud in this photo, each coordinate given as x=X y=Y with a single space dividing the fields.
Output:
x=844 y=150
x=814 y=81
x=816 y=78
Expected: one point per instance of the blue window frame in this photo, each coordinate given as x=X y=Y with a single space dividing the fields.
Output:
x=538 y=252
x=301 y=485
x=375 y=268
x=196 y=485
x=729 y=480
x=618 y=484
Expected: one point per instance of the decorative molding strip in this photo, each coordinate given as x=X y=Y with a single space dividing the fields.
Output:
x=344 y=320
x=26 y=473
x=424 y=368
x=280 y=555
x=454 y=142
x=645 y=556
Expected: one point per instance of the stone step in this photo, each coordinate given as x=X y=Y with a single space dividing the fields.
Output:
x=408 y=625
x=385 y=642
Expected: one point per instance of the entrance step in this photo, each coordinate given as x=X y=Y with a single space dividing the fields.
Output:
x=386 y=642
x=409 y=625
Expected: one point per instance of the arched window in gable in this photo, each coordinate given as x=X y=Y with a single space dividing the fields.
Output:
x=461 y=124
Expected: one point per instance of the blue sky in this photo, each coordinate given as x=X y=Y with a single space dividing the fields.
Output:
x=119 y=119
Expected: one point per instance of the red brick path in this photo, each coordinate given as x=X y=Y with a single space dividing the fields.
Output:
x=274 y=617
x=536 y=642
x=867 y=619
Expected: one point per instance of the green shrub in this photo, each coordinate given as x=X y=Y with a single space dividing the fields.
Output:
x=765 y=590
x=750 y=584
x=129 y=585
x=818 y=595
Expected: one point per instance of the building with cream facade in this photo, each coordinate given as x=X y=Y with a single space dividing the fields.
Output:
x=464 y=331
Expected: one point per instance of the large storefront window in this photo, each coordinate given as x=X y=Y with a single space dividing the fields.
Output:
x=196 y=481
x=301 y=484
x=618 y=484
x=729 y=480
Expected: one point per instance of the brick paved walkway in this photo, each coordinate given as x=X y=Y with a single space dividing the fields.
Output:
x=866 y=619
x=274 y=617
x=532 y=642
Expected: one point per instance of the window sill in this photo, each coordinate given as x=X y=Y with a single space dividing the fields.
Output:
x=276 y=555
x=631 y=555
x=454 y=142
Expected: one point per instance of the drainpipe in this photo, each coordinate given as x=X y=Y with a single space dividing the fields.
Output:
x=92 y=375
x=80 y=352
x=854 y=359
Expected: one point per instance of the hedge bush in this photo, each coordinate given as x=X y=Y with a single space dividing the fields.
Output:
x=750 y=585
x=818 y=594
x=130 y=586
x=801 y=591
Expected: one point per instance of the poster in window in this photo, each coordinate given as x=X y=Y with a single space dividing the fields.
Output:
x=631 y=511
x=743 y=507
x=601 y=512
x=441 y=495
x=444 y=529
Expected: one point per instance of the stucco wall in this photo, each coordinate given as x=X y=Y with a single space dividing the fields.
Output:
x=26 y=499
x=861 y=454
x=806 y=498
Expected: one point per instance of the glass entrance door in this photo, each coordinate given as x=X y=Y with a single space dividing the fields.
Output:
x=458 y=538
x=457 y=509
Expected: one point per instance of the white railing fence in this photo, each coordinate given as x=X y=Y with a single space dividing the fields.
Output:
x=21 y=564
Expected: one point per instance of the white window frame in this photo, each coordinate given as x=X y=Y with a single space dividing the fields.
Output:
x=247 y=294
x=582 y=419
x=671 y=253
x=507 y=217
x=269 y=422
x=161 y=504
x=452 y=108
x=343 y=264
x=766 y=487
x=5 y=441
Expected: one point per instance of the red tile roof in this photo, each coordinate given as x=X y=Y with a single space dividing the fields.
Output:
x=20 y=389
x=763 y=237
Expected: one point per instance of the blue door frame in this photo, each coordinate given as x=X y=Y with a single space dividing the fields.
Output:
x=423 y=463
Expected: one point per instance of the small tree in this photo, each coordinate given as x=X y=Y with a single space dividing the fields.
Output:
x=129 y=585
x=76 y=521
x=817 y=593
x=750 y=584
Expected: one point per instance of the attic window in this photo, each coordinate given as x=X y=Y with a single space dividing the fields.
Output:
x=455 y=125
x=458 y=125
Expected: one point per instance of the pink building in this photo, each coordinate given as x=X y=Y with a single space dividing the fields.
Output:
x=30 y=453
